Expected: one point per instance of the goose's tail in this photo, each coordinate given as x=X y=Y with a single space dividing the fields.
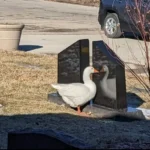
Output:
x=55 y=86
x=59 y=86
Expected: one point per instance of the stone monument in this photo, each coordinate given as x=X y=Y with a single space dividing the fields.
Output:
x=72 y=61
x=110 y=100
x=110 y=82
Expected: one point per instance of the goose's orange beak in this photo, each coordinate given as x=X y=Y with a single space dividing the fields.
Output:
x=96 y=71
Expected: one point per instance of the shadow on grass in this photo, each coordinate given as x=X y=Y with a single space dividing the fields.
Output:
x=29 y=47
x=134 y=100
x=58 y=131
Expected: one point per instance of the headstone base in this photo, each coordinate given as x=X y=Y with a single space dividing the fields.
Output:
x=102 y=112
x=55 y=98
x=106 y=113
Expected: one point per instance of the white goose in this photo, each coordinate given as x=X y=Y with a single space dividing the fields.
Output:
x=78 y=94
x=108 y=86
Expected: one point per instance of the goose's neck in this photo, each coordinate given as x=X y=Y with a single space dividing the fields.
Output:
x=106 y=75
x=90 y=84
x=86 y=77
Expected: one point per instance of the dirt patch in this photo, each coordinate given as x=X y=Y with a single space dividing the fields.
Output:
x=68 y=30
x=60 y=30
x=80 y=2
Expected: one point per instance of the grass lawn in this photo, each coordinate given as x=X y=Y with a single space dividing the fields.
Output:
x=24 y=87
x=25 y=82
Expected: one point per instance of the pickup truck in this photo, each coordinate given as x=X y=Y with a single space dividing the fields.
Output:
x=119 y=16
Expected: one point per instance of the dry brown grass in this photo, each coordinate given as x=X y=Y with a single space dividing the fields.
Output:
x=25 y=82
x=132 y=82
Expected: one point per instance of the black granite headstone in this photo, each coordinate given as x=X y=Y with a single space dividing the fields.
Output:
x=35 y=141
x=44 y=139
x=72 y=61
x=111 y=86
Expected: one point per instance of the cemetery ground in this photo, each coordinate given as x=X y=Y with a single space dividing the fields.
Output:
x=25 y=85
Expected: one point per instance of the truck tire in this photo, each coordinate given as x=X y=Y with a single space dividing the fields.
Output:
x=112 y=26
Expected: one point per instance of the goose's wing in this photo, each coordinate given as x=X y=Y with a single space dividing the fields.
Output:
x=72 y=90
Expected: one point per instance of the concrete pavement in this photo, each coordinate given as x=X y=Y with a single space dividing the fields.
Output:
x=51 y=27
x=56 y=43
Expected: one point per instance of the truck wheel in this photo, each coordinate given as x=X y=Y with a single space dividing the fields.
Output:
x=112 y=26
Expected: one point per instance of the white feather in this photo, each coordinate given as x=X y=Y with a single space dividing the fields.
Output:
x=77 y=94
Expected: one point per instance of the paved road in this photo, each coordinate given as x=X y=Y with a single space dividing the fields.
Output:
x=49 y=17
x=50 y=27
